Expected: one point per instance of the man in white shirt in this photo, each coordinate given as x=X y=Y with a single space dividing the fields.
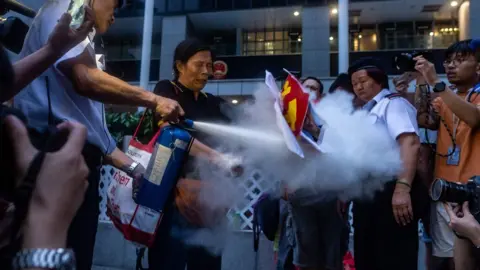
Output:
x=75 y=89
x=386 y=235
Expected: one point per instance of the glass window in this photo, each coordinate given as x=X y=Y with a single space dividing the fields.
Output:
x=260 y=36
x=251 y=46
x=269 y=52
x=279 y=35
x=251 y=36
x=278 y=45
x=269 y=36
x=260 y=46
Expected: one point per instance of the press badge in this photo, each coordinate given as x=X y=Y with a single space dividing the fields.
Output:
x=454 y=159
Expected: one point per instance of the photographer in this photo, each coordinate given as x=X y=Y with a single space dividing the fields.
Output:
x=458 y=141
x=465 y=224
x=74 y=89
x=62 y=39
x=56 y=197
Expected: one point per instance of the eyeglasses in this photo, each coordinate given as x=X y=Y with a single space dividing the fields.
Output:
x=456 y=62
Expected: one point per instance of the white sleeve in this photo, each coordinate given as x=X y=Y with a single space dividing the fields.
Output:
x=400 y=117
x=48 y=21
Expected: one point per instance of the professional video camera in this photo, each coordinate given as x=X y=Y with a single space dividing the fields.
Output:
x=12 y=29
x=404 y=62
x=445 y=191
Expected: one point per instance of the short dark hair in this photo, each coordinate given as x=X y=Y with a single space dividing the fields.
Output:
x=463 y=47
x=185 y=50
x=374 y=69
x=314 y=79
x=342 y=81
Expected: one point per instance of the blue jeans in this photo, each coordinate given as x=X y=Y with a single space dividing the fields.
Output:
x=170 y=252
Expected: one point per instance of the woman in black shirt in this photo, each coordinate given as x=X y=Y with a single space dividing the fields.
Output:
x=192 y=68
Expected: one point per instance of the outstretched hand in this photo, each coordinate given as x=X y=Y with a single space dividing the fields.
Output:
x=63 y=38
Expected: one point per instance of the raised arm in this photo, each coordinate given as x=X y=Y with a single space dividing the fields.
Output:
x=62 y=39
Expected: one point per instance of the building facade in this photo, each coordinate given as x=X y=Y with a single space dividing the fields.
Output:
x=249 y=36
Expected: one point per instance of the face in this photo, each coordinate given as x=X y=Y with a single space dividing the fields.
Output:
x=314 y=88
x=364 y=86
x=462 y=69
x=104 y=14
x=194 y=74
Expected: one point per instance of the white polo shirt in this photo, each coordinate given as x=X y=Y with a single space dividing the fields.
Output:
x=396 y=114
x=66 y=103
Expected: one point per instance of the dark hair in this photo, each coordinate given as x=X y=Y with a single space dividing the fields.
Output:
x=316 y=80
x=374 y=69
x=463 y=48
x=379 y=77
x=342 y=81
x=185 y=50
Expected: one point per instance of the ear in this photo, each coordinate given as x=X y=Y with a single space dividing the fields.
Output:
x=180 y=67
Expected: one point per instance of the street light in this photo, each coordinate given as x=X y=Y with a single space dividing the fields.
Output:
x=454 y=3
x=296 y=13
x=334 y=11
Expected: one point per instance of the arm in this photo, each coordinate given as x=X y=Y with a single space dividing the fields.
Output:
x=96 y=84
x=62 y=39
x=409 y=146
x=465 y=111
x=29 y=68
x=426 y=116
x=118 y=159
x=462 y=254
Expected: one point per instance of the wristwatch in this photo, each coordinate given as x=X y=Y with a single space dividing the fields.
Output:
x=44 y=258
x=131 y=168
x=439 y=87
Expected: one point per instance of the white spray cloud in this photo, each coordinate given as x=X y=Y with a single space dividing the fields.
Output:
x=361 y=157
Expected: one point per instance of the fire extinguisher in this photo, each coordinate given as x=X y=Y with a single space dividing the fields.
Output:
x=168 y=158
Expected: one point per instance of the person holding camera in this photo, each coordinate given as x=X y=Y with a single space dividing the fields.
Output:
x=465 y=225
x=455 y=113
x=386 y=234
x=55 y=199
x=74 y=89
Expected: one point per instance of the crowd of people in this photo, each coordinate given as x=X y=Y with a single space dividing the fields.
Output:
x=54 y=141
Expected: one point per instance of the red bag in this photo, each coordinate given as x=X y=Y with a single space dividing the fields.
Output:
x=137 y=223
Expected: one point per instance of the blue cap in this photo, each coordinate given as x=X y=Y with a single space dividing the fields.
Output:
x=475 y=44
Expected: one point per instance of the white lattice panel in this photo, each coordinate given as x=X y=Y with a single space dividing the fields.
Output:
x=106 y=174
x=252 y=186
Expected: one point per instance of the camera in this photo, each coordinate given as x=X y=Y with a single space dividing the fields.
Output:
x=404 y=62
x=445 y=191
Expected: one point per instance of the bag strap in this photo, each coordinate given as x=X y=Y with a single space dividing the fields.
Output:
x=139 y=125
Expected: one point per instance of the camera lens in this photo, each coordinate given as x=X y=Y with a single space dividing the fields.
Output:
x=404 y=62
x=445 y=191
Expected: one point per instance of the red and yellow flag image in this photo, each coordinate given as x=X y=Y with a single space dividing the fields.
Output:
x=295 y=104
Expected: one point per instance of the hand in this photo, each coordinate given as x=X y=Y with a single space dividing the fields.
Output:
x=63 y=38
x=462 y=221
x=168 y=109
x=427 y=69
x=59 y=192
x=402 y=205
x=310 y=126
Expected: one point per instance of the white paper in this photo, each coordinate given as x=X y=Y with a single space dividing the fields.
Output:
x=290 y=140
x=272 y=86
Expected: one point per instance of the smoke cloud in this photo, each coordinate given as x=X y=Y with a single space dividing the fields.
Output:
x=360 y=157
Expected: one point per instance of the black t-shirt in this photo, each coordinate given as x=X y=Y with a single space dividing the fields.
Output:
x=206 y=107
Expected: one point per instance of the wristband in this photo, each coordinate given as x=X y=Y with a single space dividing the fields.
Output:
x=404 y=183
